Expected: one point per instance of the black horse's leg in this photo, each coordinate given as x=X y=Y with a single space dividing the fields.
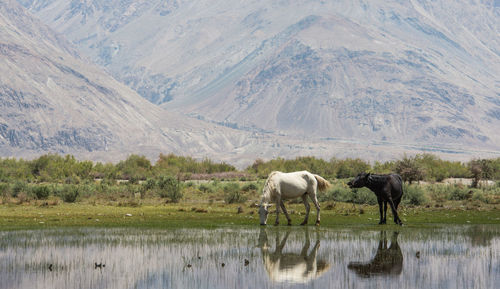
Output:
x=384 y=240
x=397 y=220
x=308 y=208
x=380 y=210
x=396 y=203
x=282 y=205
x=380 y=242
x=385 y=212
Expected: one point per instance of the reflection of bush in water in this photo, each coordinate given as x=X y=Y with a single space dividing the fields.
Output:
x=480 y=236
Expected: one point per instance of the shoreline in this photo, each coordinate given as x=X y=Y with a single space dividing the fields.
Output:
x=199 y=215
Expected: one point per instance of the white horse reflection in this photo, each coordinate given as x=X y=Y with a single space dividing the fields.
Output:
x=291 y=267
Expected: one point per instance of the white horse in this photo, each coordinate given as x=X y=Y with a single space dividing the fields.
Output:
x=283 y=186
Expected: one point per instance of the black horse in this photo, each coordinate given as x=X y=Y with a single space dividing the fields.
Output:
x=387 y=261
x=388 y=188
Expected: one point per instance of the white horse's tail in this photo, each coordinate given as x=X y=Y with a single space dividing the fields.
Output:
x=322 y=183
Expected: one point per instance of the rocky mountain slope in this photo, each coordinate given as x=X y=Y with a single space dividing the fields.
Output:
x=52 y=100
x=397 y=72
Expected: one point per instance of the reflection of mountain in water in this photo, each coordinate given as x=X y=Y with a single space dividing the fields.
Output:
x=291 y=267
x=387 y=261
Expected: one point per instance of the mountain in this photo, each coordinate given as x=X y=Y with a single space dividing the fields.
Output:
x=419 y=73
x=54 y=100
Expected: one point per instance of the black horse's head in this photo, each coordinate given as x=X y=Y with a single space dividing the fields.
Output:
x=359 y=181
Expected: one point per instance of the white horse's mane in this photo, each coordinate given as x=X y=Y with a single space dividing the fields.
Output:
x=269 y=186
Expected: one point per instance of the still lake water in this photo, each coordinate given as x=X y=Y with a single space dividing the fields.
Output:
x=251 y=257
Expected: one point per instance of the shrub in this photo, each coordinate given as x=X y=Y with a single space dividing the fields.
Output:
x=438 y=193
x=250 y=187
x=480 y=196
x=18 y=187
x=85 y=191
x=22 y=197
x=337 y=193
x=41 y=192
x=168 y=187
x=364 y=196
x=232 y=194
x=129 y=203
x=72 y=180
x=205 y=188
x=4 y=189
x=108 y=181
x=70 y=194
x=134 y=189
x=458 y=193
x=413 y=195
x=102 y=188
x=149 y=184
x=134 y=180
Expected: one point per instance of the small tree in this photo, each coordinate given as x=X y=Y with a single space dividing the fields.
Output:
x=349 y=167
x=409 y=169
x=480 y=169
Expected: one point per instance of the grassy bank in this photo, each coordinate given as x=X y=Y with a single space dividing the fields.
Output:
x=42 y=215
x=213 y=203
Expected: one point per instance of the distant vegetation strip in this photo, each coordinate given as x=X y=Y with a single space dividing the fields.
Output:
x=67 y=169
x=52 y=179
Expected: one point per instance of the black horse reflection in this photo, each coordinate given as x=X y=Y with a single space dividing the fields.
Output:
x=291 y=267
x=387 y=260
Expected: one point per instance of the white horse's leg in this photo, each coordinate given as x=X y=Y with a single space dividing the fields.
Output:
x=316 y=204
x=286 y=213
x=308 y=208
x=281 y=245
x=307 y=244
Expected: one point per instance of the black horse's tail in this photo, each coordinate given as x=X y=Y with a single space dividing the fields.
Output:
x=400 y=181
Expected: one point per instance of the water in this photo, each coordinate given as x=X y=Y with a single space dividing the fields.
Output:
x=251 y=257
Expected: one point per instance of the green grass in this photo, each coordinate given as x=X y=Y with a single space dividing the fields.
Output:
x=31 y=216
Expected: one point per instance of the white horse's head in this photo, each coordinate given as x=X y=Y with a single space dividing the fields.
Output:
x=267 y=191
x=263 y=212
